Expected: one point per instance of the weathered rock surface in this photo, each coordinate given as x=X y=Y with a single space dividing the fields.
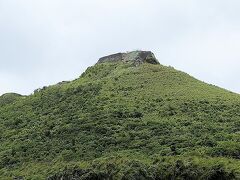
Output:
x=135 y=57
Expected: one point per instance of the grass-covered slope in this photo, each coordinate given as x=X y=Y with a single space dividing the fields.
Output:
x=123 y=122
x=9 y=98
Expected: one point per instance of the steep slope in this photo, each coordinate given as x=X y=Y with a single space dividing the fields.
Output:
x=124 y=121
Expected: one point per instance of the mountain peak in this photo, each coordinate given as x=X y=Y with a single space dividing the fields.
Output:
x=135 y=57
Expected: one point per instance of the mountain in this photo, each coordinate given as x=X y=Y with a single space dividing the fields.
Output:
x=127 y=117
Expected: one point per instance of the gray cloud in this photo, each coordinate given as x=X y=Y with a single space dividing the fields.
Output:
x=44 y=42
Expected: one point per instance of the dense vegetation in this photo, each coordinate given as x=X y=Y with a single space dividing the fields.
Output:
x=122 y=122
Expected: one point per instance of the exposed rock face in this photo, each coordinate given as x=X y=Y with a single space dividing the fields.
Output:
x=135 y=57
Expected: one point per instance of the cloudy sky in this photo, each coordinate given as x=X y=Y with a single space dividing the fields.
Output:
x=43 y=42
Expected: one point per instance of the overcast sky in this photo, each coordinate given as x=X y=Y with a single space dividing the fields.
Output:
x=43 y=42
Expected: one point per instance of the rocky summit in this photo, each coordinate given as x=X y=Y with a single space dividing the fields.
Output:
x=122 y=121
x=135 y=57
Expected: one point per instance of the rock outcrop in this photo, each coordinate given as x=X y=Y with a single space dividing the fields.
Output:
x=135 y=57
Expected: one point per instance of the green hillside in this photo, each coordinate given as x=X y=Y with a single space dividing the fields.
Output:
x=121 y=121
x=9 y=98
